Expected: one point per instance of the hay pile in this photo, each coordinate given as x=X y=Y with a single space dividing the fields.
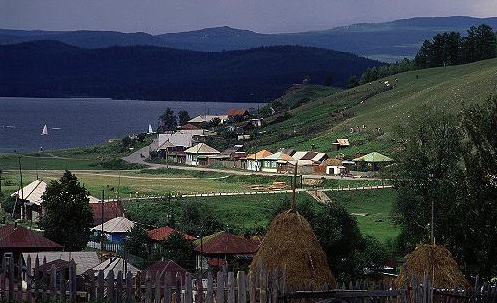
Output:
x=438 y=263
x=291 y=243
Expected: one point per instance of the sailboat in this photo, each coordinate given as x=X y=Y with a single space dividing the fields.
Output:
x=150 y=131
x=44 y=131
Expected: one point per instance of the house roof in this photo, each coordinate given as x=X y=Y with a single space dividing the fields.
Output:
x=288 y=151
x=201 y=148
x=207 y=118
x=279 y=156
x=343 y=142
x=233 y=149
x=309 y=156
x=187 y=126
x=259 y=155
x=116 y=225
x=164 y=232
x=165 y=266
x=110 y=210
x=18 y=237
x=176 y=139
x=84 y=260
x=226 y=243
x=374 y=157
x=237 y=112
x=116 y=265
x=32 y=192
x=319 y=157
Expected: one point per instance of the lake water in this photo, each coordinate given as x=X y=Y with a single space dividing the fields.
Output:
x=75 y=122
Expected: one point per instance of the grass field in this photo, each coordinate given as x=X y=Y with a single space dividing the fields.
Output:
x=330 y=114
x=247 y=212
x=369 y=207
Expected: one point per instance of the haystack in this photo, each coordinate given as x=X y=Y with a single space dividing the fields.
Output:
x=439 y=265
x=291 y=243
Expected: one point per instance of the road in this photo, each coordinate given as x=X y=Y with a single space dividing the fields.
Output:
x=138 y=159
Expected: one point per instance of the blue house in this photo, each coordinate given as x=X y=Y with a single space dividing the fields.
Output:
x=115 y=229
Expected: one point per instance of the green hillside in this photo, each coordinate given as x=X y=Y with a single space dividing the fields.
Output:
x=328 y=114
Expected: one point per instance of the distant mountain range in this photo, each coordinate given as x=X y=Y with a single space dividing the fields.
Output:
x=48 y=68
x=389 y=41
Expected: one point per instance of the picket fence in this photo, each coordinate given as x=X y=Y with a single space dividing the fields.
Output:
x=24 y=282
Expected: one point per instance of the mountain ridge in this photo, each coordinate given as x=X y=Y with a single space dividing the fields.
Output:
x=387 y=41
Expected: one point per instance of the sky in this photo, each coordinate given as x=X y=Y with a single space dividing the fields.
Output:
x=265 y=16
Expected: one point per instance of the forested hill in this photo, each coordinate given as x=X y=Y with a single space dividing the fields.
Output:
x=54 y=69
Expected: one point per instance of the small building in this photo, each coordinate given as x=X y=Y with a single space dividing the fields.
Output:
x=84 y=260
x=16 y=239
x=115 y=229
x=340 y=143
x=335 y=170
x=287 y=151
x=374 y=159
x=197 y=155
x=256 y=122
x=103 y=212
x=254 y=161
x=31 y=195
x=187 y=126
x=238 y=113
x=270 y=163
x=164 y=267
x=207 y=118
x=223 y=247
x=162 y=233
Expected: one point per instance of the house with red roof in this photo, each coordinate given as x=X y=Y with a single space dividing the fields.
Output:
x=165 y=267
x=163 y=233
x=17 y=239
x=240 y=112
x=224 y=248
x=103 y=212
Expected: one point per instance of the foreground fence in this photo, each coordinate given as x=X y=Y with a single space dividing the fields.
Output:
x=27 y=282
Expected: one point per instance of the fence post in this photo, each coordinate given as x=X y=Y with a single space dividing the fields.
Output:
x=274 y=286
x=220 y=287
x=210 y=290
x=157 y=287
x=72 y=282
x=231 y=287
x=200 y=289
x=19 y=279
x=11 y=280
x=263 y=297
x=100 y=286
x=167 y=287
x=129 y=287
x=91 y=292
x=148 y=288
x=36 y=278
x=178 y=288
x=119 y=287
x=3 y=276
x=188 y=288
x=28 y=279
x=252 y=287
x=242 y=292
x=53 y=284
x=110 y=286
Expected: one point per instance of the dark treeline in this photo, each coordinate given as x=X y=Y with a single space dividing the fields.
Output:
x=444 y=49
x=54 y=69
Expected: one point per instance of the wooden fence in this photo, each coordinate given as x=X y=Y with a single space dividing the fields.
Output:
x=27 y=282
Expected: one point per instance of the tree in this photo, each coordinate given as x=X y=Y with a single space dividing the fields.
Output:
x=137 y=242
x=167 y=121
x=179 y=249
x=67 y=215
x=198 y=219
x=352 y=82
x=183 y=117
x=452 y=166
x=480 y=44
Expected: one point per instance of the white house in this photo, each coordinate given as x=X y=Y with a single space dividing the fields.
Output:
x=254 y=161
x=195 y=153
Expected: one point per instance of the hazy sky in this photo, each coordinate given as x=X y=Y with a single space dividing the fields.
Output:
x=267 y=16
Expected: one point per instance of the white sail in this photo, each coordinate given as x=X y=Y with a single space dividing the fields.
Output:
x=150 y=131
x=44 y=131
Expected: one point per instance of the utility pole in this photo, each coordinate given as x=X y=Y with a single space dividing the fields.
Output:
x=102 y=228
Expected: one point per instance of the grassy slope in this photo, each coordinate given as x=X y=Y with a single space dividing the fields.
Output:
x=330 y=114
x=369 y=206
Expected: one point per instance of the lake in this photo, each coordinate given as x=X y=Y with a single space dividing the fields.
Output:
x=76 y=122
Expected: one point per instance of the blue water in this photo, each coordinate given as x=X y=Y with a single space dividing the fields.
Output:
x=83 y=122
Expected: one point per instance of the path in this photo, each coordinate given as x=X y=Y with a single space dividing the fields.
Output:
x=138 y=159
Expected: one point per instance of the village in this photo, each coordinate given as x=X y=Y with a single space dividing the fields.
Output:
x=128 y=261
